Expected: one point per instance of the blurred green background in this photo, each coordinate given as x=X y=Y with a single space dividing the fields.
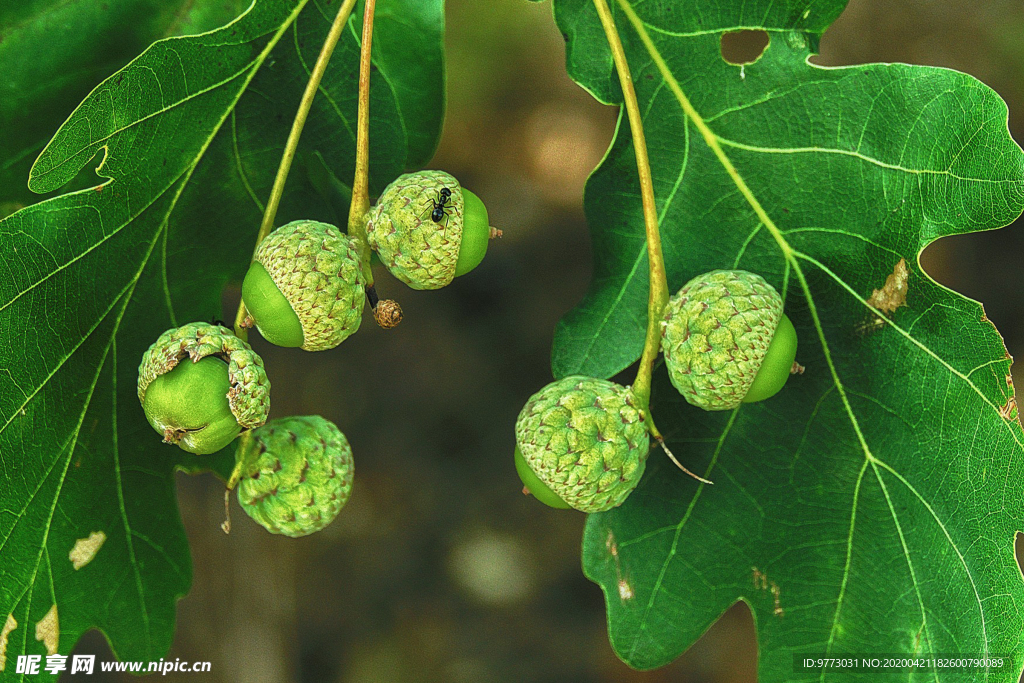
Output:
x=439 y=569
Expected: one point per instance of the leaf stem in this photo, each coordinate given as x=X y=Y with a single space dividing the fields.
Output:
x=361 y=183
x=656 y=262
x=270 y=213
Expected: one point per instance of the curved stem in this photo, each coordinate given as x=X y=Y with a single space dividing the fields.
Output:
x=361 y=183
x=671 y=456
x=270 y=213
x=656 y=262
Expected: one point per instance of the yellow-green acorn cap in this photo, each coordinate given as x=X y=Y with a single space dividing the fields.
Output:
x=715 y=333
x=586 y=439
x=416 y=250
x=317 y=270
x=301 y=476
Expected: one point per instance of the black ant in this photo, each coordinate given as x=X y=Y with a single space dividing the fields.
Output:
x=439 y=206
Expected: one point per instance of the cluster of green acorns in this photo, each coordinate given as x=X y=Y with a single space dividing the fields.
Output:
x=201 y=386
x=582 y=442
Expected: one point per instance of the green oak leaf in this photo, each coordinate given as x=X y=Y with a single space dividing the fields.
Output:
x=871 y=506
x=52 y=53
x=417 y=75
x=187 y=137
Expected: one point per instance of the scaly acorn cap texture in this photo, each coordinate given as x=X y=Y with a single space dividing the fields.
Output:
x=317 y=269
x=586 y=439
x=301 y=477
x=715 y=332
x=249 y=396
x=415 y=249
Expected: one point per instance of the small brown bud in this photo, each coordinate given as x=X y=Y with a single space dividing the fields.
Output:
x=387 y=313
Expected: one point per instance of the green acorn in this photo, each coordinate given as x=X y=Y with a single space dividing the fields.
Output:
x=427 y=229
x=727 y=341
x=202 y=404
x=305 y=287
x=301 y=475
x=582 y=442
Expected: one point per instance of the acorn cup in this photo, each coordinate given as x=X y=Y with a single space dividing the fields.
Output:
x=299 y=477
x=427 y=229
x=305 y=287
x=726 y=340
x=582 y=442
x=200 y=386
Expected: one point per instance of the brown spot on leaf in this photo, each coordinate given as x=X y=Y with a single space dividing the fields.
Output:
x=48 y=631
x=1009 y=410
x=626 y=591
x=610 y=544
x=762 y=582
x=4 y=633
x=893 y=293
x=891 y=296
x=86 y=548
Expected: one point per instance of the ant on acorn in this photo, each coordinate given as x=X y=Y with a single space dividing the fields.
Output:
x=439 y=206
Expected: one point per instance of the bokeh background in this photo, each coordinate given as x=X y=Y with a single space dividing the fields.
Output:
x=439 y=569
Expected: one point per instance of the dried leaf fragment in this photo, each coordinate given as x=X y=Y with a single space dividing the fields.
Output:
x=86 y=548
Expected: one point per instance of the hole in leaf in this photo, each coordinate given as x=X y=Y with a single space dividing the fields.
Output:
x=1018 y=548
x=744 y=47
x=726 y=652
